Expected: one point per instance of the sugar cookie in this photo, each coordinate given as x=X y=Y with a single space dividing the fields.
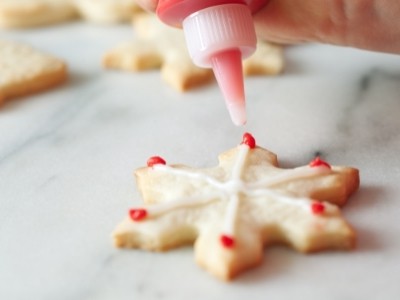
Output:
x=29 y=13
x=232 y=211
x=107 y=11
x=266 y=60
x=160 y=46
x=24 y=70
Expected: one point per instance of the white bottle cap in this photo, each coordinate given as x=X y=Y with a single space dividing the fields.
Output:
x=219 y=28
x=213 y=35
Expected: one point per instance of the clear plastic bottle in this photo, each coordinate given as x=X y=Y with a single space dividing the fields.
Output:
x=219 y=35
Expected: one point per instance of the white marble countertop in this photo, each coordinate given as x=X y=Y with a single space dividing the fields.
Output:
x=67 y=158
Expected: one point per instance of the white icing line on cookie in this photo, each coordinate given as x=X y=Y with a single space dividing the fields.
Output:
x=304 y=202
x=155 y=210
x=292 y=174
x=235 y=187
x=241 y=159
x=186 y=173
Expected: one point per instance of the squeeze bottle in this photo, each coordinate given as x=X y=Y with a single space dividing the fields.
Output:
x=219 y=35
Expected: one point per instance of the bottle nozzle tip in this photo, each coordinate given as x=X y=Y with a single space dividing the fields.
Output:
x=238 y=114
x=227 y=68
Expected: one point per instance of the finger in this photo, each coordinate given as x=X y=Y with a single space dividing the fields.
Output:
x=299 y=21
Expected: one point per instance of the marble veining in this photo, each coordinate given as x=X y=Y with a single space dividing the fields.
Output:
x=67 y=158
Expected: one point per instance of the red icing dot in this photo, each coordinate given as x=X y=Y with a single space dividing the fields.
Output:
x=249 y=140
x=317 y=162
x=317 y=208
x=138 y=214
x=227 y=241
x=155 y=160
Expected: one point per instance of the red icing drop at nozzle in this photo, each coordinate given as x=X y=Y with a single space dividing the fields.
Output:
x=227 y=67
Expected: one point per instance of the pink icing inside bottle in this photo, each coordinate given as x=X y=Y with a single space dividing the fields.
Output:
x=219 y=35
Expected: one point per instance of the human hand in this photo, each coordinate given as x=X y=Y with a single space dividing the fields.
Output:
x=365 y=24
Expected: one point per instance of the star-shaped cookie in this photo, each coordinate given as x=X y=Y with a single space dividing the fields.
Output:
x=232 y=211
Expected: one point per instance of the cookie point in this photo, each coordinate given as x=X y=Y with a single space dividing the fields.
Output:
x=155 y=160
x=138 y=214
x=249 y=140
x=318 y=162
x=317 y=208
x=227 y=241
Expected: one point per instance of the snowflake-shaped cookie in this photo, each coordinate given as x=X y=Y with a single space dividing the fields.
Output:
x=231 y=212
x=160 y=46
